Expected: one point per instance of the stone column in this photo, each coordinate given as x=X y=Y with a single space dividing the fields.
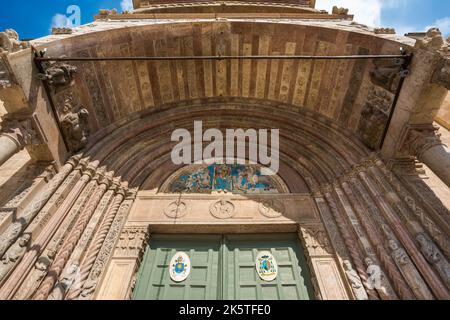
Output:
x=423 y=142
x=14 y=136
x=120 y=274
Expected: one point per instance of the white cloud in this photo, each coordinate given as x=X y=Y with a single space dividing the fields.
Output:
x=127 y=5
x=367 y=12
x=61 y=21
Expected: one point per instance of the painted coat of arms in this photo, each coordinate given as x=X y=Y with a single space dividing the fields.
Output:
x=180 y=267
x=266 y=266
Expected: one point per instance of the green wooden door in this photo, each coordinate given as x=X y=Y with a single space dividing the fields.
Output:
x=241 y=281
x=154 y=282
x=223 y=267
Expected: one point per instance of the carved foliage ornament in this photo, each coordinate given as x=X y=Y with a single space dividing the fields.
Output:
x=418 y=139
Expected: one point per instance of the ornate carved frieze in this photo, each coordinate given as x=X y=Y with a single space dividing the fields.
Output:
x=417 y=139
x=384 y=31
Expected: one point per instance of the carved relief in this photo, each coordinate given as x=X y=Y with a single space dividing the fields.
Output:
x=434 y=256
x=374 y=115
x=271 y=208
x=176 y=209
x=74 y=124
x=352 y=275
x=409 y=271
x=222 y=209
x=11 y=257
x=384 y=31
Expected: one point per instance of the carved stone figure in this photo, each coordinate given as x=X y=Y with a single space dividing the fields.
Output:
x=75 y=125
x=377 y=280
x=409 y=271
x=339 y=11
x=67 y=281
x=222 y=209
x=386 y=73
x=434 y=256
x=432 y=41
x=13 y=254
x=9 y=41
x=59 y=74
x=352 y=275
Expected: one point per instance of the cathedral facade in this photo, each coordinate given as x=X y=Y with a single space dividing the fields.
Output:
x=92 y=205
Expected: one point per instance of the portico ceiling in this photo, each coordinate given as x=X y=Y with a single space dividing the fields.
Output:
x=340 y=90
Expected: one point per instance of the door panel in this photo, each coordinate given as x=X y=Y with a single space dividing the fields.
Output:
x=223 y=267
x=241 y=281
x=154 y=282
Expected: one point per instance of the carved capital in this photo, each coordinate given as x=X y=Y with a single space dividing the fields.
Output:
x=315 y=240
x=131 y=242
x=417 y=139
x=21 y=131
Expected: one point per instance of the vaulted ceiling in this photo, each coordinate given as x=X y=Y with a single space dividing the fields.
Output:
x=340 y=90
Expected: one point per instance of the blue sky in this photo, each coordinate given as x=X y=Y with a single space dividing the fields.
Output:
x=34 y=19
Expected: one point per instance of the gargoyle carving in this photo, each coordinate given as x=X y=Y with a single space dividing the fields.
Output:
x=386 y=73
x=58 y=74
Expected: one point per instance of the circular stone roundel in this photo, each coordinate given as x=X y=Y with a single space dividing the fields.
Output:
x=271 y=208
x=222 y=209
x=180 y=267
x=176 y=209
x=266 y=266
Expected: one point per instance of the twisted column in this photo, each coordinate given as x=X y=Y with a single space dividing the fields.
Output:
x=350 y=243
x=70 y=242
x=96 y=245
x=399 y=284
x=16 y=228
